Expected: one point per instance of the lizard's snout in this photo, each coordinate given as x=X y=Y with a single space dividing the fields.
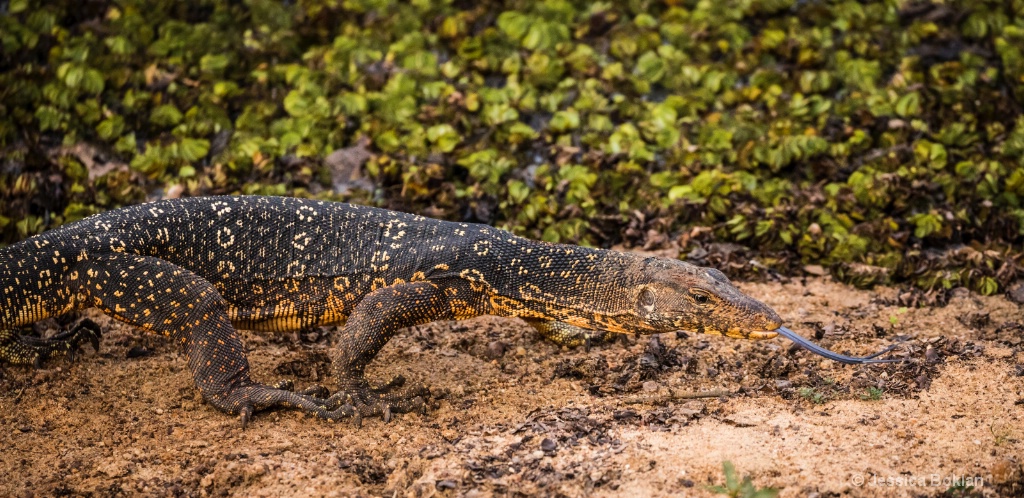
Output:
x=765 y=327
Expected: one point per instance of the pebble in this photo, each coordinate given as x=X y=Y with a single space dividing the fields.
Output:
x=495 y=349
x=650 y=386
x=548 y=445
x=816 y=270
x=1016 y=294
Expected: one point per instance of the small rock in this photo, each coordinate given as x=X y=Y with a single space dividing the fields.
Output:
x=783 y=384
x=650 y=386
x=138 y=352
x=174 y=191
x=495 y=350
x=520 y=351
x=446 y=484
x=816 y=270
x=548 y=445
x=346 y=166
x=1016 y=293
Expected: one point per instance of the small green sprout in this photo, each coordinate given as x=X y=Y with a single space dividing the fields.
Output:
x=735 y=488
x=872 y=394
x=813 y=395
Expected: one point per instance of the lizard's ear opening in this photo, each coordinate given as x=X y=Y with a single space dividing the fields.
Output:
x=645 y=300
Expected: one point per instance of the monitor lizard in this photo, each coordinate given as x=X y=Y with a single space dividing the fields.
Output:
x=197 y=269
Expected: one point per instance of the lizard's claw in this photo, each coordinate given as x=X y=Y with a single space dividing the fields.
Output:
x=245 y=413
x=360 y=400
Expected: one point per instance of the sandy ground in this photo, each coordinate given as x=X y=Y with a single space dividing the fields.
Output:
x=514 y=415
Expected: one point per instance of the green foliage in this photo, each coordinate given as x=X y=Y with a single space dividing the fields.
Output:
x=736 y=488
x=872 y=394
x=883 y=140
x=813 y=395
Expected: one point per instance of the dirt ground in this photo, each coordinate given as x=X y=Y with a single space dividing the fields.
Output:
x=514 y=415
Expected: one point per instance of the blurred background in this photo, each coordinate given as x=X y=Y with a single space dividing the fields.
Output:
x=880 y=142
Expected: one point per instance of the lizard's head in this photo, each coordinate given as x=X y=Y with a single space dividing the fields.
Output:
x=674 y=295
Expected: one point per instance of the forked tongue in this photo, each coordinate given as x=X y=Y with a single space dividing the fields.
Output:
x=849 y=360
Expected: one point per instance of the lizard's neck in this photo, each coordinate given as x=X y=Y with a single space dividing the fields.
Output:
x=586 y=287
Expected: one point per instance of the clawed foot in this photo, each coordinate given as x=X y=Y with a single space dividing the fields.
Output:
x=352 y=402
x=33 y=350
x=246 y=400
x=358 y=399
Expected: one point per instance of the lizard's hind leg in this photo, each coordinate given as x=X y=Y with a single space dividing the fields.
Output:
x=20 y=349
x=162 y=297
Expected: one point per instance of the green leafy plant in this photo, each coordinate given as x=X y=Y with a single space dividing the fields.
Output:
x=737 y=488
x=872 y=394
x=813 y=395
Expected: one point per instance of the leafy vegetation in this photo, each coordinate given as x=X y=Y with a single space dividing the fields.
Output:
x=883 y=141
x=872 y=394
x=813 y=395
x=735 y=488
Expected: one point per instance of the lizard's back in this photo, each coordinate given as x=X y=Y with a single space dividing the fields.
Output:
x=279 y=263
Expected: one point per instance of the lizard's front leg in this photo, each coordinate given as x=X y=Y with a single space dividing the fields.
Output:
x=374 y=321
x=157 y=295
x=563 y=334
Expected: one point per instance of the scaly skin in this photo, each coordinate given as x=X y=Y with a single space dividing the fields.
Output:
x=196 y=269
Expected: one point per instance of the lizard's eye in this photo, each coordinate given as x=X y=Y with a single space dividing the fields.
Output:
x=699 y=296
